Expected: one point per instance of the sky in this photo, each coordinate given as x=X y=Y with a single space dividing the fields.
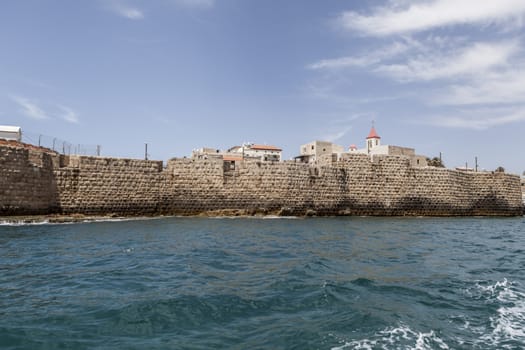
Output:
x=441 y=76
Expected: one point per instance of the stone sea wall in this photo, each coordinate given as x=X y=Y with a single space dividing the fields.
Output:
x=357 y=186
x=27 y=181
x=95 y=186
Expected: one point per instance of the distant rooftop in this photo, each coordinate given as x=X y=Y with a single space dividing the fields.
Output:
x=266 y=147
x=231 y=158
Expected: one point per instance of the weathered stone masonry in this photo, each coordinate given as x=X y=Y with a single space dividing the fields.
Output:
x=27 y=181
x=36 y=182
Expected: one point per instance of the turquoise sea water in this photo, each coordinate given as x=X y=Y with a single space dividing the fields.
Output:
x=317 y=283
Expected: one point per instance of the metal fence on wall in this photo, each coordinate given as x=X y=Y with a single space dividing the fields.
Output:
x=61 y=146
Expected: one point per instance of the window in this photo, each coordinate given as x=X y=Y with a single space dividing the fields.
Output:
x=313 y=146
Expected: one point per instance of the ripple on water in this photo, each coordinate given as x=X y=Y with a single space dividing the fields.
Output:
x=321 y=283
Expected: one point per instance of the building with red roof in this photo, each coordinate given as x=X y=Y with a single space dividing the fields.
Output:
x=372 y=140
x=247 y=151
x=375 y=148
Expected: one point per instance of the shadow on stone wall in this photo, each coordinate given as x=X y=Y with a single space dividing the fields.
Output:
x=493 y=204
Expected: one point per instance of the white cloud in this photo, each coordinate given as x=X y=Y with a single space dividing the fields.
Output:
x=337 y=134
x=35 y=111
x=480 y=119
x=29 y=108
x=368 y=59
x=340 y=126
x=68 y=114
x=407 y=17
x=440 y=68
x=200 y=4
x=493 y=88
x=475 y=59
x=130 y=12
x=121 y=8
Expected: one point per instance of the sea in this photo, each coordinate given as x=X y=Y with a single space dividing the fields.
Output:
x=264 y=283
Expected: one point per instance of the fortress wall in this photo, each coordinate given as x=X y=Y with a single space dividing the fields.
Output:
x=376 y=187
x=95 y=185
x=291 y=187
x=191 y=186
x=388 y=185
x=439 y=191
x=496 y=193
x=27 y=184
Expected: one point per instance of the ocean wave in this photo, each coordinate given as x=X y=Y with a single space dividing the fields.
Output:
x=508 y=325
x=505 y=328
x=395 y=338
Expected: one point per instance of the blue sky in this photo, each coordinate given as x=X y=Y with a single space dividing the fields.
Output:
x=437 y=75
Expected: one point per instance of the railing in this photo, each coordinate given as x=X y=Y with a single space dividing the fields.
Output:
x=61 y=146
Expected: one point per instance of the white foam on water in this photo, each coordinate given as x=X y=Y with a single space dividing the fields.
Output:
x=71 y=222
x=116 y=219
x=508 y=323
x=280 y=217
x=256 y=217
x=493 y=289
x=396 y=338
x=428 y=341
x=22 y=223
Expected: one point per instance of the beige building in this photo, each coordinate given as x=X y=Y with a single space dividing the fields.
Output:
x=206 y=153
x=316 y=150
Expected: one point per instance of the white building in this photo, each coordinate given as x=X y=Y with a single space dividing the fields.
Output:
x=374 y=147
x=373 y=140
x=265 y=153
x=11 y=133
